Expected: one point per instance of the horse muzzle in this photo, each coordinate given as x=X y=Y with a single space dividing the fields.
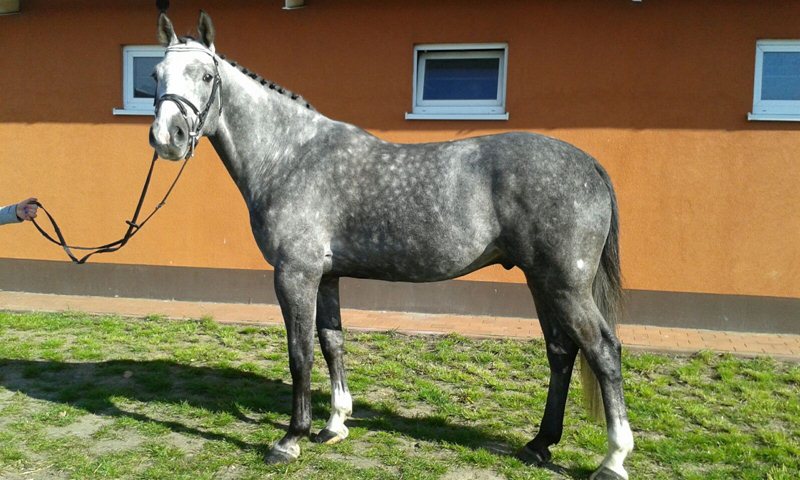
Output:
x=170 y=141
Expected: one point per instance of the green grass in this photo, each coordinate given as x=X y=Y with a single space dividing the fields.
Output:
x=108 y=397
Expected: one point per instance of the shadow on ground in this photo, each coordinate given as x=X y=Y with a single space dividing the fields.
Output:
x=93 y=386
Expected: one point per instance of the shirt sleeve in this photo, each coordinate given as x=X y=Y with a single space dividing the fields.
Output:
x=9 y=215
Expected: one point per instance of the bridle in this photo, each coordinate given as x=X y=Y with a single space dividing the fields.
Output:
x=195 y=129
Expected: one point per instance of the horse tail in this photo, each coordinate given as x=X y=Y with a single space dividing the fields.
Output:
x=607 y=293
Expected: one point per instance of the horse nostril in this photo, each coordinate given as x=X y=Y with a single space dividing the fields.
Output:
x=178 y=134
x=152 y=137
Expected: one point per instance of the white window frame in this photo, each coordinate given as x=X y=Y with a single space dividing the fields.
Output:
x=130 y=104
x=458 y=109
x=773 y=110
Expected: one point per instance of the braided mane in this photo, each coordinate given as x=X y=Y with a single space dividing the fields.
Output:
x=267 y=84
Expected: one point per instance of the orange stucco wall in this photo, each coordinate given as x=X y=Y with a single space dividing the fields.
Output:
x=657 y=91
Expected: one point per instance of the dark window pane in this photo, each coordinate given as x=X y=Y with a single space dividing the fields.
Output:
x=143 y=84
x=461 y=79
x=780 y=78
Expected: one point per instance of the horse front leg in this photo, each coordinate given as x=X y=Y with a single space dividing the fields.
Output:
x=331 y=340
x=296 y=290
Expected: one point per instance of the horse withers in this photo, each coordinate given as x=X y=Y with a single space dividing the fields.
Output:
x=329 y=200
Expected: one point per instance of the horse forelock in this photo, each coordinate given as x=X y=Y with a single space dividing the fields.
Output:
x=186 y=39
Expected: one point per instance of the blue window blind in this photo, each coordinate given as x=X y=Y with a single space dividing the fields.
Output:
x=780 y=78
x=461 y=79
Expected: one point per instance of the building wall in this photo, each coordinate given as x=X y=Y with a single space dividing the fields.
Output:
x=658 y=92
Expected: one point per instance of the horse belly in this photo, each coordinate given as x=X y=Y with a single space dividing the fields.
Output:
x=417 y=255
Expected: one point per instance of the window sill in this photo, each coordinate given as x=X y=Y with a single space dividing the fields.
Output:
x=773 y=117
x=122 y=111
x=456 y=116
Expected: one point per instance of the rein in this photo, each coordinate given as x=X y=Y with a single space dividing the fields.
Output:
x=133 y=224
x=195 y=130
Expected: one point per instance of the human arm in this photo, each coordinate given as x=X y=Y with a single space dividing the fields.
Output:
x=24 y=210
x=9 y=215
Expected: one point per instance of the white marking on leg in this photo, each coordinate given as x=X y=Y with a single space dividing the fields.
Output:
x=341 y=408
x=620 y=444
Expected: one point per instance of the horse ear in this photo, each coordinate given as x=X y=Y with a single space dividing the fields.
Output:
x=206 y=30
x=166 y=32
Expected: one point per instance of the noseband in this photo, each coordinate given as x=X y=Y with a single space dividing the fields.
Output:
x=195 y=128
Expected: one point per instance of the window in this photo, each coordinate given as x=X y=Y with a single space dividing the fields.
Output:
x=138 y=87
x=459 y=82
x=776 y=91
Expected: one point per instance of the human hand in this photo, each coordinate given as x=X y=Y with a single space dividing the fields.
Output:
x=26 y=209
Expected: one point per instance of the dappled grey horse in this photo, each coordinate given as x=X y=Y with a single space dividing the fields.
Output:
x=329 y=200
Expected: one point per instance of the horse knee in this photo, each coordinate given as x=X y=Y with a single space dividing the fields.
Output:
x=331 y=341
x=605 y=362
x=614 y=343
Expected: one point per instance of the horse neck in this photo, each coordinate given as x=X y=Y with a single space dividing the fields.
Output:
x=259 y=131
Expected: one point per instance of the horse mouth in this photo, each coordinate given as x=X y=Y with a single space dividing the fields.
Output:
x=170 y=153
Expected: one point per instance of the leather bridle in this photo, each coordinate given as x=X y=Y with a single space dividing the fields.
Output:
x=195 y=130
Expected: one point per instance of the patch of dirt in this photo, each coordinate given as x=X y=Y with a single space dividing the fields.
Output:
x=186 y=443
x=464 y=473
x=358 y=462
x=34 y=474
x=84 y=427
x=499 y=448
x=376 y=396
x=127 y=440
x=5 y=394
x=231 y=472
x=419 y=410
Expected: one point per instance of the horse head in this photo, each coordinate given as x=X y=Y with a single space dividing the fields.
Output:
x=188 y=86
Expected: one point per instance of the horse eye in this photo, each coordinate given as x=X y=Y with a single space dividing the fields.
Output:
x=207 y=77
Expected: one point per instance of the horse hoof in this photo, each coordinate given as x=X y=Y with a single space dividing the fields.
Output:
x=329 y=437
x=604 y=473
x=534 y=457
x=277 y=457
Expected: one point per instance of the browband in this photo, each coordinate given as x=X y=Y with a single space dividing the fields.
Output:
x=187 y=48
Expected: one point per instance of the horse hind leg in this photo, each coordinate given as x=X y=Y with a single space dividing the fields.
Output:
x=563 y=292
x=604 y=359
x=331 y=340
x=561 y=353
x=584 y=323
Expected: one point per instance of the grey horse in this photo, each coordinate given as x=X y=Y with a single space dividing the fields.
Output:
x=329 y=200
